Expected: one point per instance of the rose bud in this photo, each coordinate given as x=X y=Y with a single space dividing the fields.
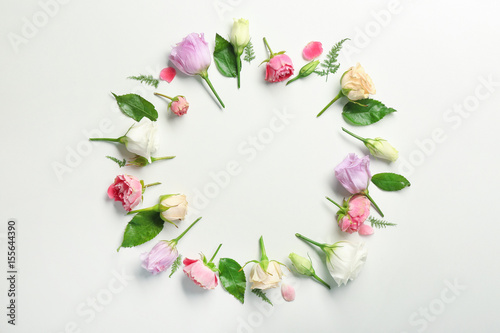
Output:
x=353 y=213
x=128 y=190
x=240 y=36
x=171 y=207
x=279 y=66
x=304 y=266
x=178 y=104
x=378 y=147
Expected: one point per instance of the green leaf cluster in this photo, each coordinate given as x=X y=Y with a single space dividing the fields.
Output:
x=249 y=52
x=136 y=107
x=147 y=79
x=365 y=111
x=388 y=181
x=330 y=65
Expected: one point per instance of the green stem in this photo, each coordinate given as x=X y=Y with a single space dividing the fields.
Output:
x=204 y=76
x=238 y=69
x=158 y=94
x=267 y=44
x=321 y=281
x=153 y=208
x=373 y=202
x=176 y=240
x=354 y=135
x=153 y=159
x=293 y=79
x=152 y=184
x=340 y=94
x=333 y=202
x=106 y=139
x=304 y=238
x=216 y=251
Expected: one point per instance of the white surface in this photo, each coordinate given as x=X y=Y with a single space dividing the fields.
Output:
x=424 y=60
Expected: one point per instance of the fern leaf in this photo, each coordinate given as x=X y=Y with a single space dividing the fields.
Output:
x=176 y=265
x=262 y=295
x=147 y=79
x=330 y=65
x=377 y=223
x=117 y=161
x=249 y=52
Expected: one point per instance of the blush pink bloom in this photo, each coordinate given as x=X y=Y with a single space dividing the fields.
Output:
x=353 y=220
x=354 y=173
x=179 y=105
x=288 y=292
x=192 y=55
x=200 y=274
x=279 y=68
x=160 y=258
x=168 y=74
x=126 y=189
x=312 y=50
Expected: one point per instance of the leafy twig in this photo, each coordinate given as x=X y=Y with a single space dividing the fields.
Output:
x=249 y=52
x=377 y=223
x=262 y=295
x=147 y=79
x=330 y=65
x=117 y=161
x=176 y=265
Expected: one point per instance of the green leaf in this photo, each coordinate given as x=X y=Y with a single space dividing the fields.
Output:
x=176 y=265
x=147 y=79
x=262 y=295
x=232 y=278
x=224 y=57
x=121 y=163
x=249 y=52
x=390 y=181
x=143 y=227
x=136 y=107
x=365 y=112
x=380 y=223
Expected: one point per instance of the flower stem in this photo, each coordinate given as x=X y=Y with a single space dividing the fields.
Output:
x=354 y=135
x=373 y=203
x=333 y=202
x=152 y=184
x=269 y=48
x=304 y=238
x=340 y=94
x=321 y=281
x=185 y=231
x=204 y=76
x=238 y=69
x=106 y=139
x=153 y=208
x=153 y=159
x=158 y=94
x=216 y=251
x=293 y=79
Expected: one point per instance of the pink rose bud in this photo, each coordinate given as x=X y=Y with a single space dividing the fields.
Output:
x=288 y=292
x=354 y=173
x=312 y=50
x=279 y=68
x=358 y=211
x=191 y=56
x=179 y=105
x=160 y=258
x=168 y=74
x=200 y=274
x=126 y=189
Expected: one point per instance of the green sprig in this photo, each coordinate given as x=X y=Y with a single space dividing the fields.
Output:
x=330 y=65
x=262 y=295
x=176 y=265
x=121 y=163
x=147 y=79
x=380 y=224
x=249 y=52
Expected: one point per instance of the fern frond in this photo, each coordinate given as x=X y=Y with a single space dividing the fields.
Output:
x=330 y=65
x=117 y=161
x=249 y=52
x=147 y=79
x=176 y=265
x=377 y=223
x=262 y=295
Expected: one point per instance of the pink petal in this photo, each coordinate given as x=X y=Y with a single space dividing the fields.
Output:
x=168 y=74
x=365 y=230
x=312 y=50
x=288 y=292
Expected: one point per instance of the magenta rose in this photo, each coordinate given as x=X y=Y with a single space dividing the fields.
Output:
x=192 y=55
x=200 y=273
x=279 y=68
x=354 y=173
x=160 y=258
x=126 y=189
x=357 y=212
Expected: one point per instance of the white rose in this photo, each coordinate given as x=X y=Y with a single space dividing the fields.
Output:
x=345 y=260
x=176 y=207
x=142 y=138
x=240 y=35
x=356 y=84
x=381 y=148
x=266 y=279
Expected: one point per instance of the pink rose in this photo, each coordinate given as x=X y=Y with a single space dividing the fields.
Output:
x=279 y=68
x=201 y=274
x=191 y=56
x=353 y=220
x=312 y=50
x=354 y=173
x=160 y=258
x=179 y=105
x=126 y=189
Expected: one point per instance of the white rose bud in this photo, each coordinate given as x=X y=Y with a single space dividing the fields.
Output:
x=381 y=148
x=175 y=205
x=356 y=84
x=142 y=138
x=262 y=279
x=240 y=35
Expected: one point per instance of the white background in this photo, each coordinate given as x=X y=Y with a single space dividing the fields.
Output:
x=428 y=59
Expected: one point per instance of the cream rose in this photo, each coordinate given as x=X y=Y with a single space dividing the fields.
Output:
x=176 y=207
x=356 y=84
x=262 y=279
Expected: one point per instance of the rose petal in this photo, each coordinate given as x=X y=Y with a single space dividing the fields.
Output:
x=288 y=292
x=312 y=50
x=365 y=230
x=168 y=74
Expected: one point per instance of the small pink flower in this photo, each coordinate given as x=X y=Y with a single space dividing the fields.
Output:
x=279 y=68
x=354 y=173
x=288 y=292
x=201 y=274
x=192 y=55
x=179 y=105
x=353 y=220
x=168 y=74
x=126 y=189
x=160 y=258
x=312 y=50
